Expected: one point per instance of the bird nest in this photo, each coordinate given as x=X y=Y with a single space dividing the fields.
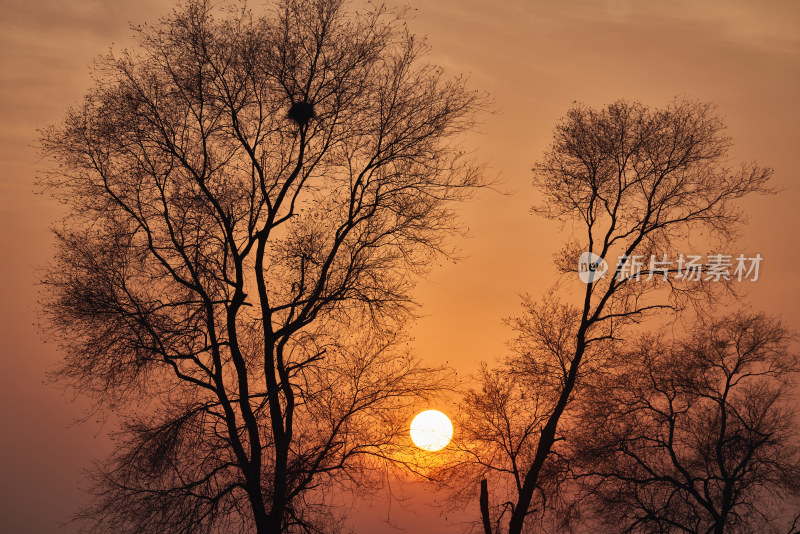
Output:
x=301 y=113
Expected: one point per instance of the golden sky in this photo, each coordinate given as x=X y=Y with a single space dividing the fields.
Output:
x=534 y=57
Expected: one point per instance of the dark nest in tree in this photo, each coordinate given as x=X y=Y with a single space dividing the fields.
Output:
x=301 y=113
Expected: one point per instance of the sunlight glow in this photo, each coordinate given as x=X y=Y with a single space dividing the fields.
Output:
x=431 y=430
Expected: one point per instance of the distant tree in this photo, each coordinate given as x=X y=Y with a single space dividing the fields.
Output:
x=249 y=198
x=695 y=435
x=630 y=182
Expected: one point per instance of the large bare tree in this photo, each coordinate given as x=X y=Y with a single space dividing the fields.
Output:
x=696 y=434
x=249 y=198
x=630 y=182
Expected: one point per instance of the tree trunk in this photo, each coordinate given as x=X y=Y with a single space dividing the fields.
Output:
x=487 y=525
x=279 y=487
x=546 y=441
x=260 y=516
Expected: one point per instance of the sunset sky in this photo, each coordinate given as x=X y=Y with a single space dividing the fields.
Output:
x=534 y=58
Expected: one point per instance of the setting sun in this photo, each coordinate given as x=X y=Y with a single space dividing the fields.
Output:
x=431 y=430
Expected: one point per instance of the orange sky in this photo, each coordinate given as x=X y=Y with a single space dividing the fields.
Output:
x=535 y=58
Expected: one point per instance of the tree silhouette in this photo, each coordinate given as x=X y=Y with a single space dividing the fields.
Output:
x=631 y=182
x=695 y=435
x=249 y=199
x=500 y=418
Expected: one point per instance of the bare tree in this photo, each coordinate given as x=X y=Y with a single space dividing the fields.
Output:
x=695 y=435
x=250 y=197
x=500 y=419
x=631 y=182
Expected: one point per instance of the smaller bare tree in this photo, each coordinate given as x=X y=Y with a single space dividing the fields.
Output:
x=695 y=435
x=501 y=418
x=632 y=182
